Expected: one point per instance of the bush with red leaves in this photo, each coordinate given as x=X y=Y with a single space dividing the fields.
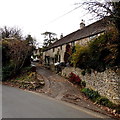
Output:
x=74 y=78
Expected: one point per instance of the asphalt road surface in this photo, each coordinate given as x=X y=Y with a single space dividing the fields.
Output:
x=17 y=103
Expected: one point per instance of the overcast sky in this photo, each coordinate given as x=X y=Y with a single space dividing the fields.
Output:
x=37 y=16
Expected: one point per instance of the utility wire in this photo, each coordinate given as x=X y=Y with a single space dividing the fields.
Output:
x=63 y=15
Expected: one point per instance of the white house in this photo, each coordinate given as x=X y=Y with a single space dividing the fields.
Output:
x=82 y=36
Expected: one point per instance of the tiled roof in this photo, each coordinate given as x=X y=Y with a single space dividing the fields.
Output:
x=92 y=29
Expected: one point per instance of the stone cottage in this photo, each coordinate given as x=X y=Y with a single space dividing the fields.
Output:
x=107 y=83
x=56 y=52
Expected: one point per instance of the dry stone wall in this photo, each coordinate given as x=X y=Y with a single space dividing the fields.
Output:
x=107 y=83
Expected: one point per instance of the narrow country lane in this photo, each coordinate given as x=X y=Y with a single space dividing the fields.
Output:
x=17 y=103
x=59 y=88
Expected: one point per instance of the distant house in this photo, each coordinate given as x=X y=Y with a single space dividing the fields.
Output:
x=36 y=52
x=56 y=51
x=37 y=55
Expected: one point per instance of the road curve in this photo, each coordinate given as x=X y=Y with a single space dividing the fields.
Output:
x=17 y=103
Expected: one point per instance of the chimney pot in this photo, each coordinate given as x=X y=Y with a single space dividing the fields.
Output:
x=61 y=36
x=82 y=24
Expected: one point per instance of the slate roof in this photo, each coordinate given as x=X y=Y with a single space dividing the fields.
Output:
x=87 y=31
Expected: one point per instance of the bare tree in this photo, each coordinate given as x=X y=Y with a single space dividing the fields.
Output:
x=102 y=9
x=105 y=8
x=7 y=32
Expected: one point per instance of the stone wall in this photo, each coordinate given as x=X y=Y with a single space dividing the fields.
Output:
x=107 y=83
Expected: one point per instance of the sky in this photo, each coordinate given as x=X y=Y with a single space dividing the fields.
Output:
x=38 y=16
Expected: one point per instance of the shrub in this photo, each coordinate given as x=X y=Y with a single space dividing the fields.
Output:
x=88 y=71
x=83 y=72
x=79 y=53
x=105 y=101
x=83 y=83
x=77 y=79
x=93 y=95
x=101 y=53
x=15 y=55
x=7 y=71
x=117 y=108
x=74 y=78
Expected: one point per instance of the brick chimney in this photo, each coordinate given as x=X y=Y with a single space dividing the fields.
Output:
x=82 y=24
x=61 y=36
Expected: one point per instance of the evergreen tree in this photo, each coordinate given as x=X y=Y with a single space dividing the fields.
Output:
x=49 y=39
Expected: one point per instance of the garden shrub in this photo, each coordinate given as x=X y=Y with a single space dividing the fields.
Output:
x=105 y=101
x=7 y=71
x=91 y=94
x=83 y=72
x=101 y=53
x=26 y=69
x=88 y=71
x=95 y=97
x=117 y=108
x=78 y=54
x=74 y=78
x=15 y=55
x=83 y=83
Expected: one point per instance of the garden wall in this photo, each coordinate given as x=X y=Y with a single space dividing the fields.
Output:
x=107 y=83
